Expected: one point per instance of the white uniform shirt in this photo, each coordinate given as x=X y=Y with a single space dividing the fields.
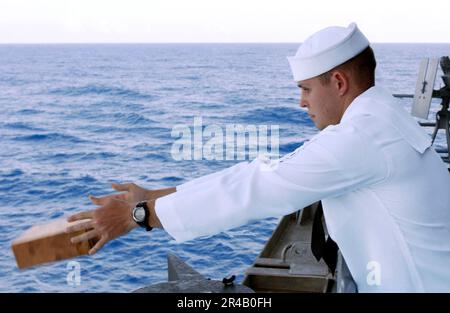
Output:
x=385 y=195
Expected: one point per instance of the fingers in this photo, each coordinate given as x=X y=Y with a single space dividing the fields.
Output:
x=98 y=245
x=81 y=216
x=99 y=200
x=104 y=200
x=118 y=187
x=80 y=226
x=85 y=236
x=122 y=187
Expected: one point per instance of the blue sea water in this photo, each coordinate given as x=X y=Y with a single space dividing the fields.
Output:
x=75 y=118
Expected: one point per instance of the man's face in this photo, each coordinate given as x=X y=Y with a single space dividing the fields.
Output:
x=322 y=101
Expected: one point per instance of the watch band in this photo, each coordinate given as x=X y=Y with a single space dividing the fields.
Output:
x=146 y=222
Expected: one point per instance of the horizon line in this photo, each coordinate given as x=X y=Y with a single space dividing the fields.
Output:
x=196 y=42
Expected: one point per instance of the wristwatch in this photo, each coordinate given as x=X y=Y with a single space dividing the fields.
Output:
x=141 y=215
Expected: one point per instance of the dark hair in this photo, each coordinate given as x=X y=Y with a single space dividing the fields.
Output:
x=362 y=68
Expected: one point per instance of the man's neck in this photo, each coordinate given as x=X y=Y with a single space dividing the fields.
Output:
x=351 y=96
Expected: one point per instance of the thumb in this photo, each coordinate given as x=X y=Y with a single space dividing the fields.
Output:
x=95 y=200
x=121 y=187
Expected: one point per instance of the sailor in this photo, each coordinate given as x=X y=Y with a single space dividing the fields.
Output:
x=385 y=191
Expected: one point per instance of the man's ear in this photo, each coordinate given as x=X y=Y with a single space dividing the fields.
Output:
x=340 y=81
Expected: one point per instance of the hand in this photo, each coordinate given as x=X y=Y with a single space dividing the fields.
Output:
x=132 y=193
x=109 y=221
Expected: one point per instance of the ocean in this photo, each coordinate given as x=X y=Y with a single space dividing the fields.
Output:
x=75 y=118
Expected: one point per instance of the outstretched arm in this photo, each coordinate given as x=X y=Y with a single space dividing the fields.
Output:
x=325 y=167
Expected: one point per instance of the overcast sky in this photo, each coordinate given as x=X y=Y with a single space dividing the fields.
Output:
x=63 y=21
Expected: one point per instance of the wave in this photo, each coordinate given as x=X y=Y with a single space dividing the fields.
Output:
x=195 y=67
x=13 y=173
x=280 y=115
x=50 y=137
x=171 y=179
x=190 y=77
x=102 y=90
x=133 y=119
x=22 y=126
x=156 y=157
x=80 y=156
x=29 y=112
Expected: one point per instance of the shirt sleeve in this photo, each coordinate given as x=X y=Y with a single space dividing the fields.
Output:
x=262 y=188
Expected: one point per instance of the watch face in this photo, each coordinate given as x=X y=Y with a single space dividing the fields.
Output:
x=139 y=214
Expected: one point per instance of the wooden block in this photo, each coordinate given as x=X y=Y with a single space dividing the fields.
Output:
x=48 y=243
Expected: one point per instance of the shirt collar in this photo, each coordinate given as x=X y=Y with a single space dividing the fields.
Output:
x=378 y=102
x=358 y=105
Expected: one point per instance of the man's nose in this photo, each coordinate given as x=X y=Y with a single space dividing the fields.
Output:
x=303 y=103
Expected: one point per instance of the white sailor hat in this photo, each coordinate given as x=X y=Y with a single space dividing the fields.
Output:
x=326 y=49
